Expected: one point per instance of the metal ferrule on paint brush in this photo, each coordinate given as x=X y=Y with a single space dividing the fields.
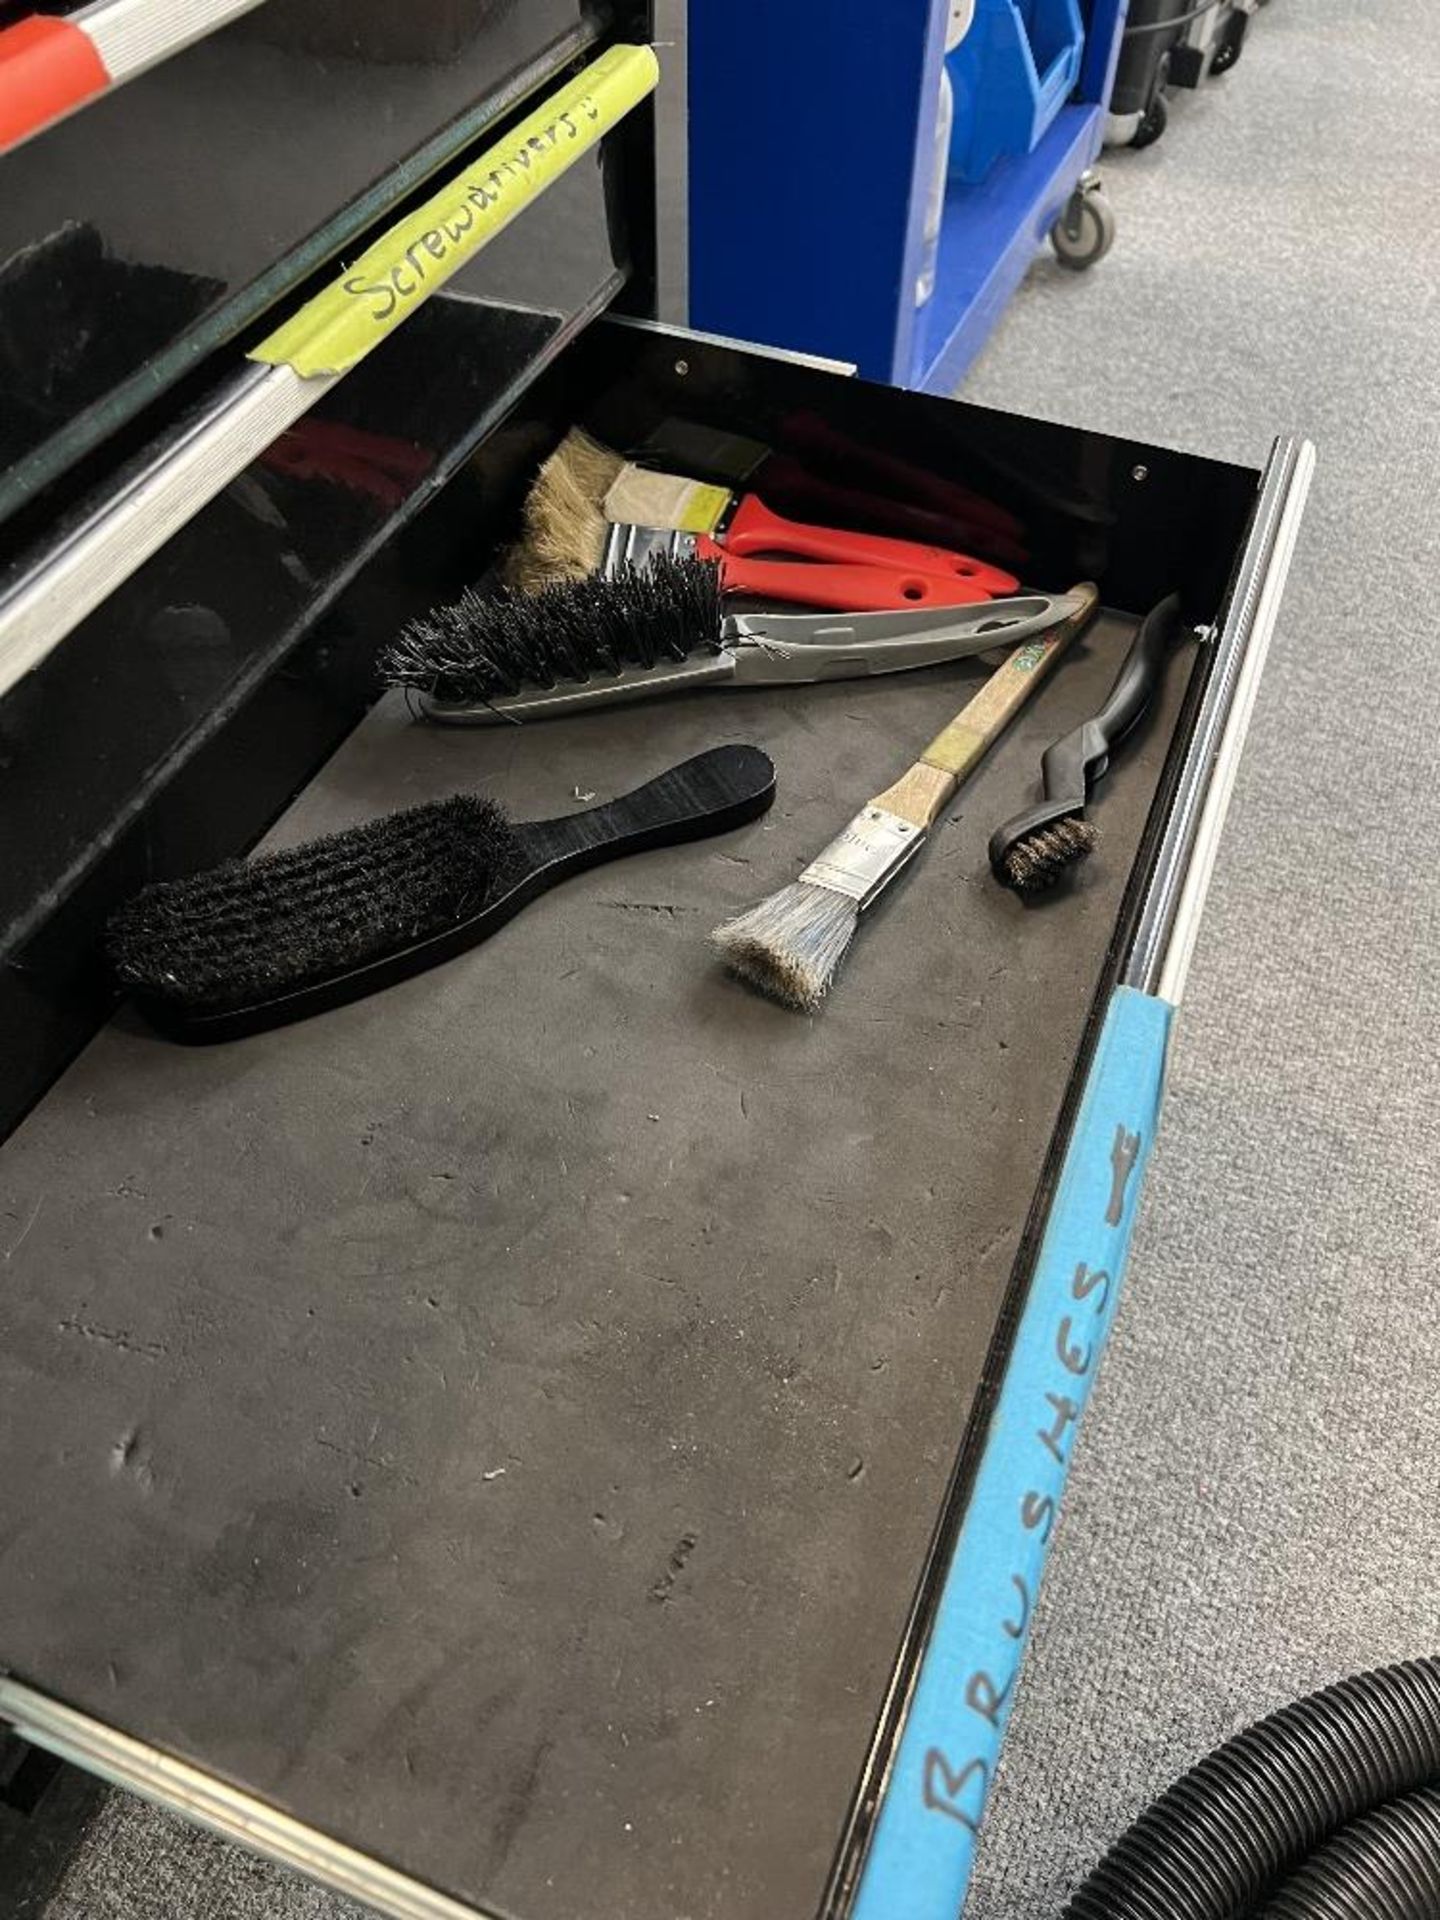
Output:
x=865 y=856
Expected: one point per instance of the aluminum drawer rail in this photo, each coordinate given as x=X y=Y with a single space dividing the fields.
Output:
x=180 y=1788
x=51 y=67
x=173 y=481
x=1170 y=916
x=288 y=372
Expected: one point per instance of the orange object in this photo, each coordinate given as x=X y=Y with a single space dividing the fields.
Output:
x=47 y=67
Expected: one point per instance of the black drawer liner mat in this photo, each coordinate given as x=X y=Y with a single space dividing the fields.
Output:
x=501 y=1422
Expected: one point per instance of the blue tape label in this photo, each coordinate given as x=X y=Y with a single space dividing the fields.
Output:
x=923 y=1845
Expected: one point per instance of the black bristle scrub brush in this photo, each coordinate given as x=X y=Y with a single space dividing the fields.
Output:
x=660 y=628
x=257 y=943
x=492 y=647
x=1032 y=851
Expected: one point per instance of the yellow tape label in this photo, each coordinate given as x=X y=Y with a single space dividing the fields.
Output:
x=394 y=276
x=704 y=506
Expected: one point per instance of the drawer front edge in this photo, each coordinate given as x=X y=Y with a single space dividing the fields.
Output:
x=184 y=1789
x=911 y=1843
x=1170 y=916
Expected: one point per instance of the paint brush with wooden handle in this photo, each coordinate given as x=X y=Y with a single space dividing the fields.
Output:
x=790 y=946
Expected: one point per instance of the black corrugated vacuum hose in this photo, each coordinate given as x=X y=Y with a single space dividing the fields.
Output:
x=1384 y=1867
x=1317 y=1810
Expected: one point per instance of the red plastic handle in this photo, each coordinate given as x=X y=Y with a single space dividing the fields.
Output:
x=47 y=67
x=839 y=589
x=798 y=490
x=754 y=528
x=868 y=466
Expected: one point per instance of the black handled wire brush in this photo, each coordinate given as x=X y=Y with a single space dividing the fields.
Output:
x=255 y=944
x=1032 y=851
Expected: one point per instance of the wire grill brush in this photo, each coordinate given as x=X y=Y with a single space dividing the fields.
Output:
x=1033 y=850
x=254 y=944
x=659 y=628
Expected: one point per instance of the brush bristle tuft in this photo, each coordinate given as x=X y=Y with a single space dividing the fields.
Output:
x=1038 y=859
x=250 y=931
x=484 y=646
x=564 y=520
x=791 y=945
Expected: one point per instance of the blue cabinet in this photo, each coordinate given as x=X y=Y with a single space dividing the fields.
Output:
x=812 y=150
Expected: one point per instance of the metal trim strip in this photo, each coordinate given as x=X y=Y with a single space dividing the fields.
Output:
x=133 y=35
x=184 y=1789
x=202 y=456
x=124 y=39
x=1174 y=901
x=788 y=356
x=182 y=476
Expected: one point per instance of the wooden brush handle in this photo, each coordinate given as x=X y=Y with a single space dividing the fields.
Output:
x=920 y=793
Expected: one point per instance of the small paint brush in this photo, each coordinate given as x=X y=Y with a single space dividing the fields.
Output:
x=564 y=526
x=791 y=945
x=587 y=508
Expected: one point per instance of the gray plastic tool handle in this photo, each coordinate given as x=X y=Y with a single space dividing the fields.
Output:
x=779 y=647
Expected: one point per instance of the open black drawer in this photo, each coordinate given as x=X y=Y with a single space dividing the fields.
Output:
x=500 y=1446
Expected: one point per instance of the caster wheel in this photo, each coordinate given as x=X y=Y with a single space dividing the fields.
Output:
x=1153 y=123
x=1085 y=232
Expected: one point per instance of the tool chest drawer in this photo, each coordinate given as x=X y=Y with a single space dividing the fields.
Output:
x=166 y=216
x=535 y=1439
x=185 y=647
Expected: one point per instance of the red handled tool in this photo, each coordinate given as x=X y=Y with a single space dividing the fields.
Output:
x=835 y=588
x=754 y=529
x=798 y=490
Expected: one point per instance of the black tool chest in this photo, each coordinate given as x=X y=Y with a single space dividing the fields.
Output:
x=156 y=226
x=498 y=1446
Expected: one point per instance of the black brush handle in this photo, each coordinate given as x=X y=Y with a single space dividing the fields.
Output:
x=1071 y=765
x=712 y=793
x=716 y=790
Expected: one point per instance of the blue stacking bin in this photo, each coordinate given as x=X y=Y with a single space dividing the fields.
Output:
x=1011 y=75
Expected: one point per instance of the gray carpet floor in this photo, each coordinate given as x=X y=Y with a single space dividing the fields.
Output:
x=1252 y=1508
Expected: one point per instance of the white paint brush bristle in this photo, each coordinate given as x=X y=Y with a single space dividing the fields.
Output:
x=564 y=521
x=791 y=945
